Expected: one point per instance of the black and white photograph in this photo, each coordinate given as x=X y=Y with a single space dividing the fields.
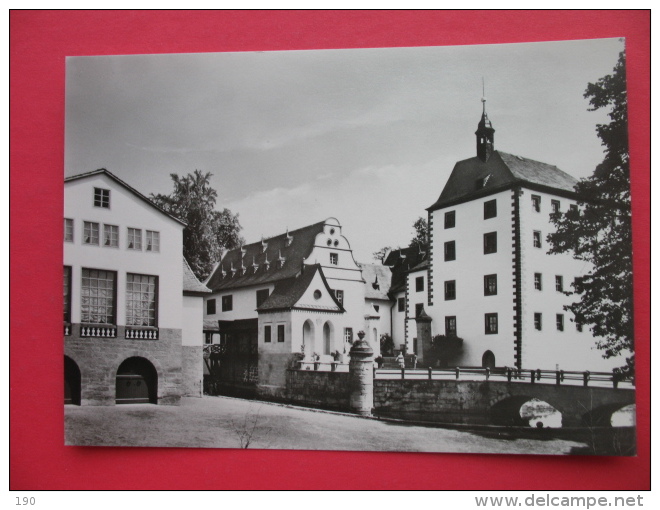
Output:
x=423 y=249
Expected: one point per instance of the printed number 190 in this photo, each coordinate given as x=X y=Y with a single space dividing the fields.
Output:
x=25 y=501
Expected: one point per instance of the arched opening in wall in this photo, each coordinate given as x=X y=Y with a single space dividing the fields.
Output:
x=72 y=380
x=488 y=360
x=521 y=411
x=137 y=382
x=374 y=340
x=328 y=331
x=624 y=417
x=308 y=338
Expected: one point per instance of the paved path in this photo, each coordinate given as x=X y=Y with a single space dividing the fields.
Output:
x=219 y=422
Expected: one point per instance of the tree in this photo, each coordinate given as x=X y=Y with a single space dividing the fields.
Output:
x=599 y=231
x=209 y=232
x=421 y=238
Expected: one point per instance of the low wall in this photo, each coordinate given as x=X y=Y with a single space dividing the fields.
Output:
x=320 y=389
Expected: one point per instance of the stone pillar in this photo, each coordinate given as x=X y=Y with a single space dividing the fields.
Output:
x=423 y=337
x=361 y=371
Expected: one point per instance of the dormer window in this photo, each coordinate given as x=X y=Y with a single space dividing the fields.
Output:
x=481 y=183
x=102 y=198
x=334 y=259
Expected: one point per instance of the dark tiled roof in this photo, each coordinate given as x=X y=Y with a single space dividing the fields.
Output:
x=401 y=261
x=103 y=171
x=286 y=293
x=293 y=253
x=376 y=274
x=190 y=282
x=424 y=264
x=501 y=171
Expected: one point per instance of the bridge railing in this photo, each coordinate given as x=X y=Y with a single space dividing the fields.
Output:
x=537 y=376
x=322 y=366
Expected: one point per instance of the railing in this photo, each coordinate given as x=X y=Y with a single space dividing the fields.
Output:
x=141 y=333
x=98 y=331
x=558 y=377
x=322 y=366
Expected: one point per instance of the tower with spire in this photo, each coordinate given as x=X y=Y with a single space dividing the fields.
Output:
x=485 y=135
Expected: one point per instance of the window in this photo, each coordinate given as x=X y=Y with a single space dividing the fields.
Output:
x=578 y=326
x=402 y=304
x=491 y=323
x=450 y=290
x=210 y=307
x=97 y=296
x=90 y=233
x=556 y=205
x=450 y=219
x=536 y=203
x=280 y=333
x=111 y=236
x=490 y=285
x=339 y=294
x=267 y=337
x=538 y=322
x=560 y=322
x=101 y=197
x=134 y=239
x=418 y=309
x=490 y=209
x=573 y=207
x=348 y=335
x=450 y=326
x=537 y=239
x=481 y=183
x=262 y=295
x=208 y=338
x=153 y=241
x=334 y=259
x=227 y=303
x=67 y=294
x=450 y=250
x=538 y=281
x=68 y=230
x=559 y=283
x=419 y=284
x=141 y=292
x=377 y=308
x=490 y=243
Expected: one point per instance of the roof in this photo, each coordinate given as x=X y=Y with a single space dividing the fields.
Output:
x=378 y=278
x=473 y=178
x=267 y=261
x=191 y=285
x=401 y=261
x=287 y=293
x=211 y=325
x=103 y=171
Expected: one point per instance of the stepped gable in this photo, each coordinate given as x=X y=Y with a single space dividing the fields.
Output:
x=267 y=261
x=191 y=285
x=287 y=293
x=378 y=278
x=473 y=177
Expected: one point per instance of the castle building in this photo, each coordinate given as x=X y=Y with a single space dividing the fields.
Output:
x=490 y=279
x=132 y=306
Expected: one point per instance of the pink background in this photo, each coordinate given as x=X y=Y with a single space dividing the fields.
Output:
x=40 y=41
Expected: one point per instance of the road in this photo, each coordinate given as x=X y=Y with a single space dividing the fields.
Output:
x=223 y=422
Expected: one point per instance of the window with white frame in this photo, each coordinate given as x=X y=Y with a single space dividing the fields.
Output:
x=490 y=323
x=111 y=236
x=153 y=241
x=90 y=233
x=334 y=259
x=560 y=322
x=450 y=325
x=97 y=296
x=538 y=321
x=102 y=198
x=490 y=285
x=556 y=206
x=141 y=297
x=339 y=294
x=559 y=283
x=537 y=239
x=348 y=335
x=68 y=230
x=536 y=203
x=134 y=238
x=538 y=281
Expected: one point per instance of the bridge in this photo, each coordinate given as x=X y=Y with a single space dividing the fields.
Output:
x=472 y=395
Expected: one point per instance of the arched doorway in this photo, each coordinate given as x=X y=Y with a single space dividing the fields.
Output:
x=308 y=338
x=327 y=338
x=488 y=360
x=71 y=382
x=137 y=382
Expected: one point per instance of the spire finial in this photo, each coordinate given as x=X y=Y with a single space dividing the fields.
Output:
x=483 y=93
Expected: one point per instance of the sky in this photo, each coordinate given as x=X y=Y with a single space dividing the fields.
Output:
x=368 y=136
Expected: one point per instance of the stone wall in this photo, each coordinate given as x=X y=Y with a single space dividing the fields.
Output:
x=321 y=389
x=191 y=370
x=99 y=358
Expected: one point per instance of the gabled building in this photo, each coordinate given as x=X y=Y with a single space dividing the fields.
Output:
x=132 y=307
x=491 y=280
x=297 y=294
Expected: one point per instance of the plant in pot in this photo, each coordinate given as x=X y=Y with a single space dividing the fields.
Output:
x=335 y=360
x=317 y=361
